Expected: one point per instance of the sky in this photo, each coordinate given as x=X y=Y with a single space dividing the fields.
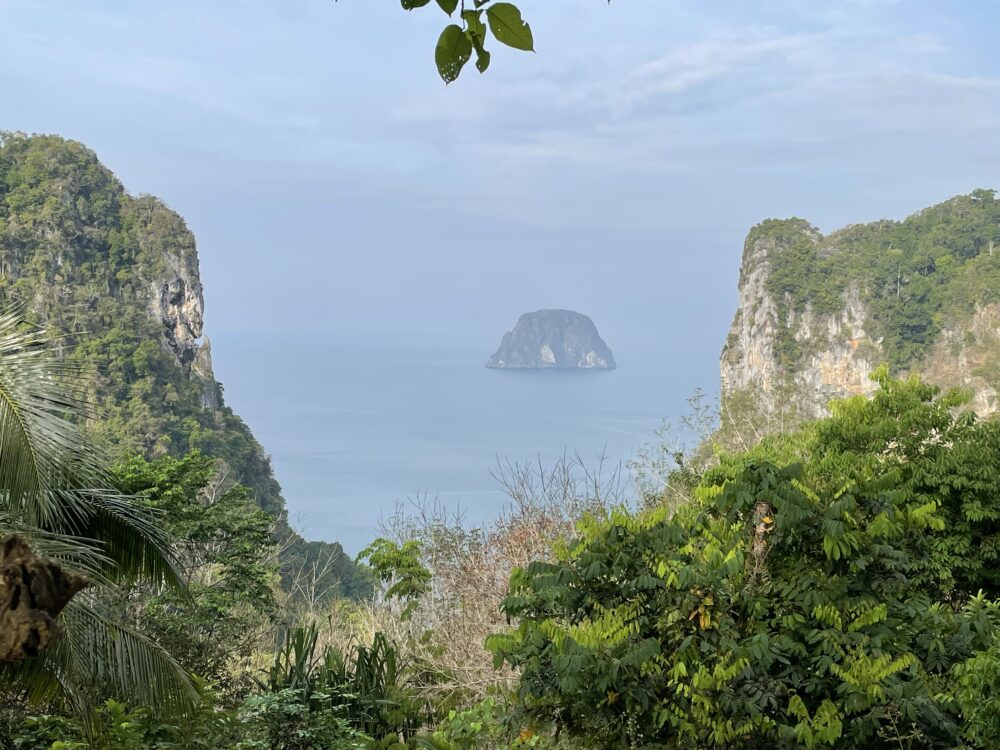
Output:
x=334 y=182
x=338 y=188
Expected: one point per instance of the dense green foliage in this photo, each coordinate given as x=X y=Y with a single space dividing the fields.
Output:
x=91 y=262
x=820 y=590
x=978 y=695
x=219 y=627
x=79 y=544
x=488 y=725
x=914 y=276
x=366 y=685
x=228 y=562
x=84 y=256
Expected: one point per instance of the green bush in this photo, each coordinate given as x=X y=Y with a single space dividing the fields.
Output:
x=978 y=694
x=292 y=719
x=116 y=727
x=823 y=602
x=368 y=687
x=487 y=726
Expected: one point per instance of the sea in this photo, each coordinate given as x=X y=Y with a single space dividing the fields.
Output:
x=356 y=427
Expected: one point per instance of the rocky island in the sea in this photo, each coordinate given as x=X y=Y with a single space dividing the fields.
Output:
x=553 y=339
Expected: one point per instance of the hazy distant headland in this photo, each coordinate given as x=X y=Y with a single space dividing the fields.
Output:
x=553 y=339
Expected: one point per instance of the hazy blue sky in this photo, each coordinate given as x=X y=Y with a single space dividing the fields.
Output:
x=334 y=183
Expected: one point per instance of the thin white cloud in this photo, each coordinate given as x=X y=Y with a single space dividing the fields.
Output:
x=740 y=86
x=711 y=59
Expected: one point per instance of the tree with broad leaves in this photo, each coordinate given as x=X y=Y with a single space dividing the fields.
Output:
x=835 y=587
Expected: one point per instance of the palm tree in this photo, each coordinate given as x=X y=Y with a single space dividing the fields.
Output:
x=57 y=498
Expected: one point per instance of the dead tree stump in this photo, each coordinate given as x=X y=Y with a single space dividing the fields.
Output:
x=32 y=592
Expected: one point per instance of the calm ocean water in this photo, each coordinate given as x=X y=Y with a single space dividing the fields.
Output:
x=353 y=428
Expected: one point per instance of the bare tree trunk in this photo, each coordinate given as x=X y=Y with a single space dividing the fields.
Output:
x=763 y=524
x=32 y=592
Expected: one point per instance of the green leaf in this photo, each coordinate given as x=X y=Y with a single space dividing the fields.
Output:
x=482 y=59
x=476 y=31
x=448 y=6
x=411 y=4
x=474 y=23
x=508 y=26
x=452 y=52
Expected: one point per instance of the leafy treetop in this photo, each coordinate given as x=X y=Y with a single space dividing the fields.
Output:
x=820 y=591
x=915 y=276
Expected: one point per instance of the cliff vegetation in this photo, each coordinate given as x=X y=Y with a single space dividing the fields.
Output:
x=820 y=313
x=113 y=278
x=917 y=275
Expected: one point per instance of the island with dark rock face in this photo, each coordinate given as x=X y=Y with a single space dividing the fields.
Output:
x=551 y=339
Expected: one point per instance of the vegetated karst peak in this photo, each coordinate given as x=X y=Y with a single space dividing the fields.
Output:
x=819 y=314
x=114 y=279
x=553 y=339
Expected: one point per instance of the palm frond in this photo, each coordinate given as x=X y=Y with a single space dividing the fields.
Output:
x=52 y=478
x=107 y=557
x=96 y=653
x=131 y=538
x=56 y=492
x=41 y=450
x=122 y=661
x=75 y=554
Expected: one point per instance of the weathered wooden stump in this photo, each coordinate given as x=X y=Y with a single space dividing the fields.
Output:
x=32 y=592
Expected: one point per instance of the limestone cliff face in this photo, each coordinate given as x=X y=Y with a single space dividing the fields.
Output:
x=787 y=356
x=841 y=355
x=968 y=356
x=201 y=369
x=553 y=339
x=175 y=299
x=115 y=280
x=178 y=304
x=173 y=292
